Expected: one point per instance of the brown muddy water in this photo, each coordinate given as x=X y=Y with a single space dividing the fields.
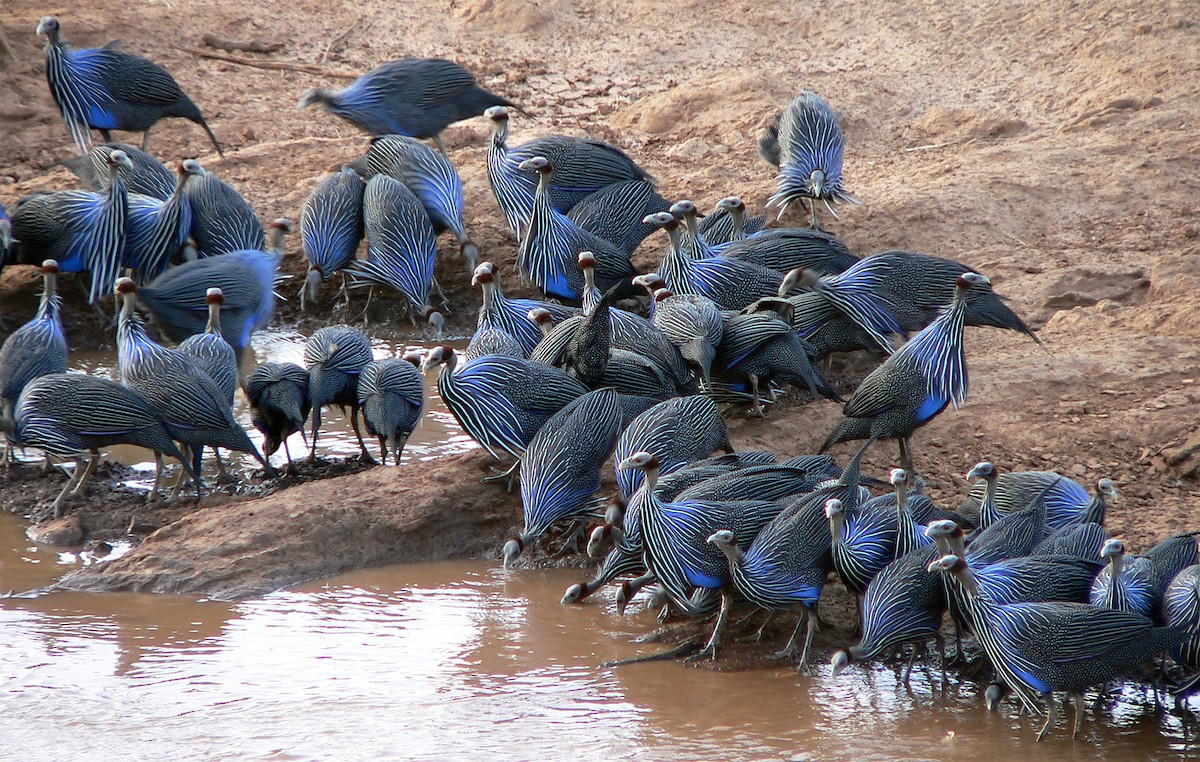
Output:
x=455 y=660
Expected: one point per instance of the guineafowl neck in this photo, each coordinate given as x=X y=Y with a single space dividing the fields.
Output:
x=214 y=319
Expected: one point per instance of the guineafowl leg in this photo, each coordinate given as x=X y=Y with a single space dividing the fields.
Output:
x=152 y=497
x=437 y=287
x=571 y=545
x=790 y=649
x=710 y=649
x=510 y=475
x=811 y=630
x=758 y=407
x=106 y=135
x=62 y=496
x=223 y=476
x=813 y=223
x=441 y=145
x=146 y=140
x=1078 y=697
x=941 y=644
x=366 y=456
x=93 y=461
x=1051 y=715
x=316 y=428
x=185 y=451
x=912 y=659
x=303 y=294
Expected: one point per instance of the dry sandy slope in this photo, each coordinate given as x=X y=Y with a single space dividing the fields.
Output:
x=1050 y=145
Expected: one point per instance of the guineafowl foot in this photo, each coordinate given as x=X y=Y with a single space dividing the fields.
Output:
x=758 y=635
x=709 y=651
x=683 y=649
x=510 y=476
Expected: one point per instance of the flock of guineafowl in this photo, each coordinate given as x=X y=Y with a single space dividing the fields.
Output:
x=734 y=313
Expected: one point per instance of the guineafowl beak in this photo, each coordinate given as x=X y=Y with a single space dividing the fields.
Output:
x=47 y=26
x=980 y=471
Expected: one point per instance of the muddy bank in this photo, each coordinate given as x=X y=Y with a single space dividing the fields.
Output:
x=238 y=548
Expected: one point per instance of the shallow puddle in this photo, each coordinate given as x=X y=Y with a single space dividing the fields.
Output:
x=437 y=434
x=456 y=661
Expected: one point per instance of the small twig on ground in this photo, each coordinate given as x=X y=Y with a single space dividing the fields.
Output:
x=253 y=46
x=273 y=65
x=338 y=42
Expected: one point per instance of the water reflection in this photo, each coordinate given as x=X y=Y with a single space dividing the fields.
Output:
x=438 y=433
x=456 y=661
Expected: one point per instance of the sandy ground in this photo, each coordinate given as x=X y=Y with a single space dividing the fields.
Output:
x=1050 y=146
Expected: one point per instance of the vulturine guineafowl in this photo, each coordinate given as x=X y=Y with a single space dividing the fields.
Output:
x=414 y=97
x=107 y=89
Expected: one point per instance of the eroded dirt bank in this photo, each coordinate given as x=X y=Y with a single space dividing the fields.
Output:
x=236 y=548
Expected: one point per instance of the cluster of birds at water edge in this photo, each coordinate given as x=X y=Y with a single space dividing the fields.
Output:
x=613 y=363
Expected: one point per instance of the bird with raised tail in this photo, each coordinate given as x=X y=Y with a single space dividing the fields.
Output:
x=279 y=404
x=331 y=228
x=560 y=469
x=431 y=178
x=335 y=357
x=414 y=97
x=107 y=89
x=391 y=394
